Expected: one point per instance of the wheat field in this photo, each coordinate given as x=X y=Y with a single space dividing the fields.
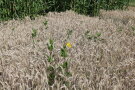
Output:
x=103 y=63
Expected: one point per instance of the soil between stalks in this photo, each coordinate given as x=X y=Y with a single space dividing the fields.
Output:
x=108 y=64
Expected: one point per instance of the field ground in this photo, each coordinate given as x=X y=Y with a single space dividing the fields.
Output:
x=103 y=63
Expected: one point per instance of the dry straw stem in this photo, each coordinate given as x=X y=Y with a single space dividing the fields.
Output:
x=106 y=64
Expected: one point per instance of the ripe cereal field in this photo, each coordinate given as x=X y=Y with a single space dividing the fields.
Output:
x=101 y=55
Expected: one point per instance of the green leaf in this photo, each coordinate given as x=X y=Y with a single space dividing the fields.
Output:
x=89 y=37
x=51 y=75
x=51 y=78
x=66 y=83
x=45 y=22
x=98 y=34
x=133 y=28
x=69 y=32
x=50 y=59
x=68 y=74
x=65 y=65
x=34 y=33
x=51 y=41
x=50 y=45
x=50 y=69
x=87 y=32
x=63 y=52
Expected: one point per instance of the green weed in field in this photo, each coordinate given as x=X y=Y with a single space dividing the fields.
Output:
x=133 y=30
x=34 y=33
x=45 y=23
x=69 y=33
x=50 y=46
x=59 y=72
x=95 y=37
x=55 y=71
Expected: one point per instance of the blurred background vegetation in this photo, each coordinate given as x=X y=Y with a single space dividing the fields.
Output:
x=132 y=3
x=10 y=9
